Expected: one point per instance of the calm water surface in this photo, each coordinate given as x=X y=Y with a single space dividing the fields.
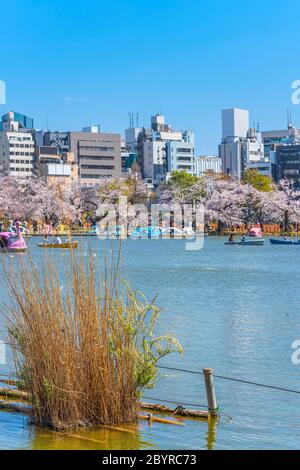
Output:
x=233 y=308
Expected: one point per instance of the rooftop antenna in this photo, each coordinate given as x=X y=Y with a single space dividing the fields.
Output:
x=289 y=118
x=131 y=124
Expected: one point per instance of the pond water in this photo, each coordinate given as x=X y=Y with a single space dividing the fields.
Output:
x=233 y=308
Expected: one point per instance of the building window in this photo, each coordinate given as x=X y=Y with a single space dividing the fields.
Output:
x=97 y=167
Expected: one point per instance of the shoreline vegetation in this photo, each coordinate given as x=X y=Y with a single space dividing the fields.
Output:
x=229 y=205
x=84 y=351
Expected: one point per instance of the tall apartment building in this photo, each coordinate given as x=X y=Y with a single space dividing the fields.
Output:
x=241 y=147
x=161 y=149
x=17 y=147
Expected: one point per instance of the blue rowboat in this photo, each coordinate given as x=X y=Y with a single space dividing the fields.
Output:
x=247 y=242
x=289 y=241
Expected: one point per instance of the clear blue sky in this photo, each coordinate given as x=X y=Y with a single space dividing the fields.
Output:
x=73 y=63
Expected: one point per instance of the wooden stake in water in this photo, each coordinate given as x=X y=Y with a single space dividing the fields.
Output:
x=210 y=392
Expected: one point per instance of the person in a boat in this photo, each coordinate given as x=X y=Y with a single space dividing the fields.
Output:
x=243 y=238
x=230 y=238
x=57 y=240
x=45 y=240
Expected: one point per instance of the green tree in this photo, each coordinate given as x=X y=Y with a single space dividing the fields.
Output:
x=258 y=181
x=182 y=179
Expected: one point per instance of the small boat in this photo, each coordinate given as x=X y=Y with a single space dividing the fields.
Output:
x=247 y=242
x=63 y=245
x=255 y=232
x=146 y=232
x=280 y=241
x=174 y=232
x=12 y=243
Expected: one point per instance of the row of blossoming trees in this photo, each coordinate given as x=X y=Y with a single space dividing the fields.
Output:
x=33 y=200
x=226 y=201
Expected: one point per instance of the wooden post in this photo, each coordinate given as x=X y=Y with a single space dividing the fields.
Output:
x=210 y=392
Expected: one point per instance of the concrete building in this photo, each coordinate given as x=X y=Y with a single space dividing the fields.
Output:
x=128 y=160
x=208 y=164
x=17 y=150
x=25 y=122
x=273 y=138
x=98 y=155
x=235 y=124
x=154 y=160
x=279 y=160
x=94 y=129
x=241 y=147
x=54 y=167
x=288 y=162
x=57 y=139
x=181 y=156
x=162 y=150
x=131 y=138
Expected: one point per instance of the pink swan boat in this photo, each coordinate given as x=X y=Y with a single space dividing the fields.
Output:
x=11 y=242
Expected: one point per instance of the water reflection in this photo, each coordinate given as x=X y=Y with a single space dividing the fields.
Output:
x=211 y=432
x=96 y=438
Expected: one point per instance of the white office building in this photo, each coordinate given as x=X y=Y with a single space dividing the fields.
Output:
x=162 y=150
x=181 y=154
x=17 y=151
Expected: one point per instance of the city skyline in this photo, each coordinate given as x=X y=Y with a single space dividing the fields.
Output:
x=97 y=63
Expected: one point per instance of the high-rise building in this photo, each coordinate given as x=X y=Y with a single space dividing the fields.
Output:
x=235 y=124
x=161 y=149
x=241 y=147
x=17 y=149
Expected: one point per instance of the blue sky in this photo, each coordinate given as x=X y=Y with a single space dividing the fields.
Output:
x=72 y=63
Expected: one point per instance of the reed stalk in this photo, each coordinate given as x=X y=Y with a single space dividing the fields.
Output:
x=84 y=351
